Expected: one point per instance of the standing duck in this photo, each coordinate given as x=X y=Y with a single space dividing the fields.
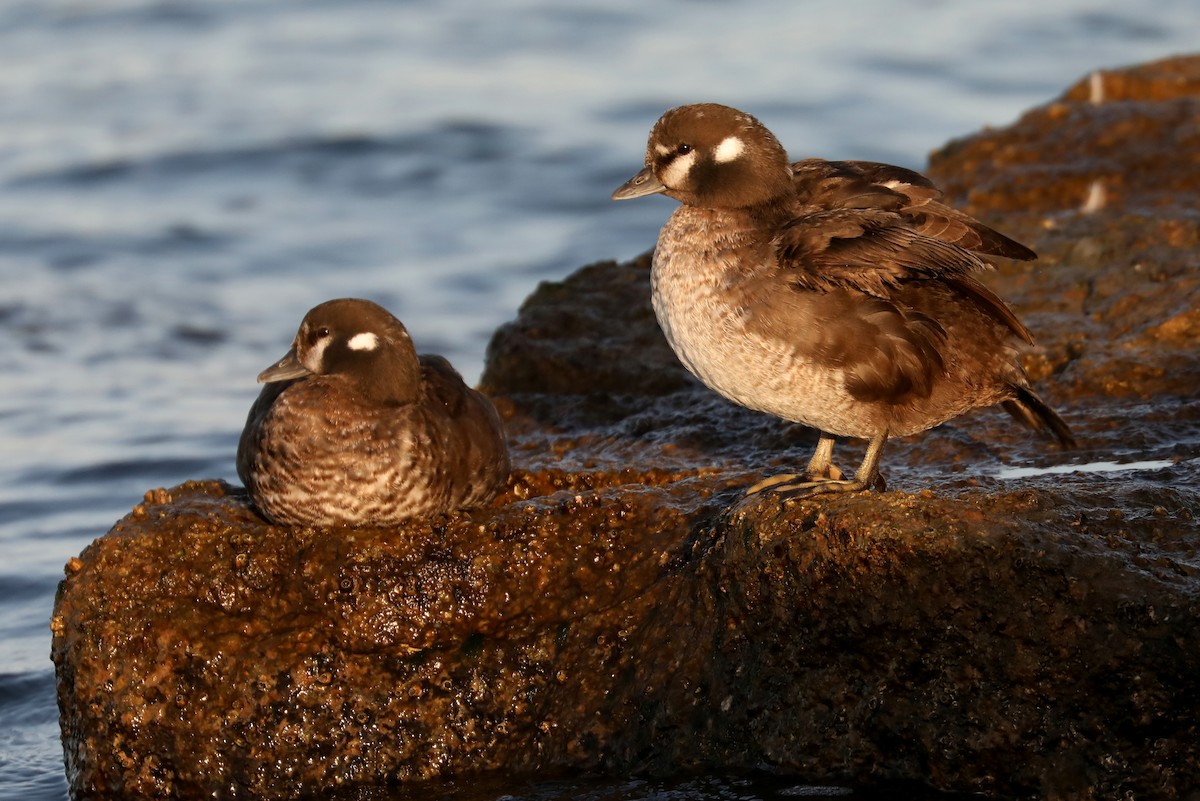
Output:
x=839 y=295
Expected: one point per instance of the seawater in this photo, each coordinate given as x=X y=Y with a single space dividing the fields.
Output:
x=180 y=182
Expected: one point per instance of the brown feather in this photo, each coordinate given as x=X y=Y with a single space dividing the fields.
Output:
x=869 y=184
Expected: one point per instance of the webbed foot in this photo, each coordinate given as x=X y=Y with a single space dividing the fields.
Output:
x=784 y=481
x=796 y=485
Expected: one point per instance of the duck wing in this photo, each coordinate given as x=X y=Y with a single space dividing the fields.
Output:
x=873 y=185
x=877 y=253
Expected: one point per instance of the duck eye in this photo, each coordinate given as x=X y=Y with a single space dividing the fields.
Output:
x=318 y=334
x=683 y=149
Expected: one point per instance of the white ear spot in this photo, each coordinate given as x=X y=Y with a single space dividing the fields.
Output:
x=730 y=148
x=364 y=341
x=676 y=172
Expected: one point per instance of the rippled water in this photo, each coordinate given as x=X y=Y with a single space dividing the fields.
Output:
x=180 y=182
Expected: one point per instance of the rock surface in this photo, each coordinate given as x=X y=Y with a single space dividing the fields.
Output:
x=622 y=608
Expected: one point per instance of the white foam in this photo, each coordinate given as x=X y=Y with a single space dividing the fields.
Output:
x=1090 y=467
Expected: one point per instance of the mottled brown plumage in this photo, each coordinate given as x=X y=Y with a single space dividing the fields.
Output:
x=840 y=294
x=353 y=428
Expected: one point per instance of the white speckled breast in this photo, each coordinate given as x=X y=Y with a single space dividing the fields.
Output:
x=703 y=300
x=342 y=463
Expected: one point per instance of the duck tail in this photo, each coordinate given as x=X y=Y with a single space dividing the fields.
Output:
x=1033 y=412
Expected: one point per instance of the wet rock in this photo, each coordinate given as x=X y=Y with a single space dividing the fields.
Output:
x=1123 y=138
x=1019 y=634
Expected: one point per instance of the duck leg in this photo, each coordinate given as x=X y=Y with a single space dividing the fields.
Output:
x=822 y=476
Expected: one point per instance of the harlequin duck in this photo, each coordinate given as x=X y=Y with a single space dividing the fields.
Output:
x=353 y=428
x=835 y=294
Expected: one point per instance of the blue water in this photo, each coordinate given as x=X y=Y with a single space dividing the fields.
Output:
x=180 y=182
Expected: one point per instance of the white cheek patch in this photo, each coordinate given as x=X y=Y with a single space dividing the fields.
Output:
x=730 y=148
x=314 y=359
x=364 y=341
x=676 y=172
x=662 y=149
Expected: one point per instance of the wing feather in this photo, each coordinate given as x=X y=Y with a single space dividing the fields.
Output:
x=869 y=184
x=865 y=250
